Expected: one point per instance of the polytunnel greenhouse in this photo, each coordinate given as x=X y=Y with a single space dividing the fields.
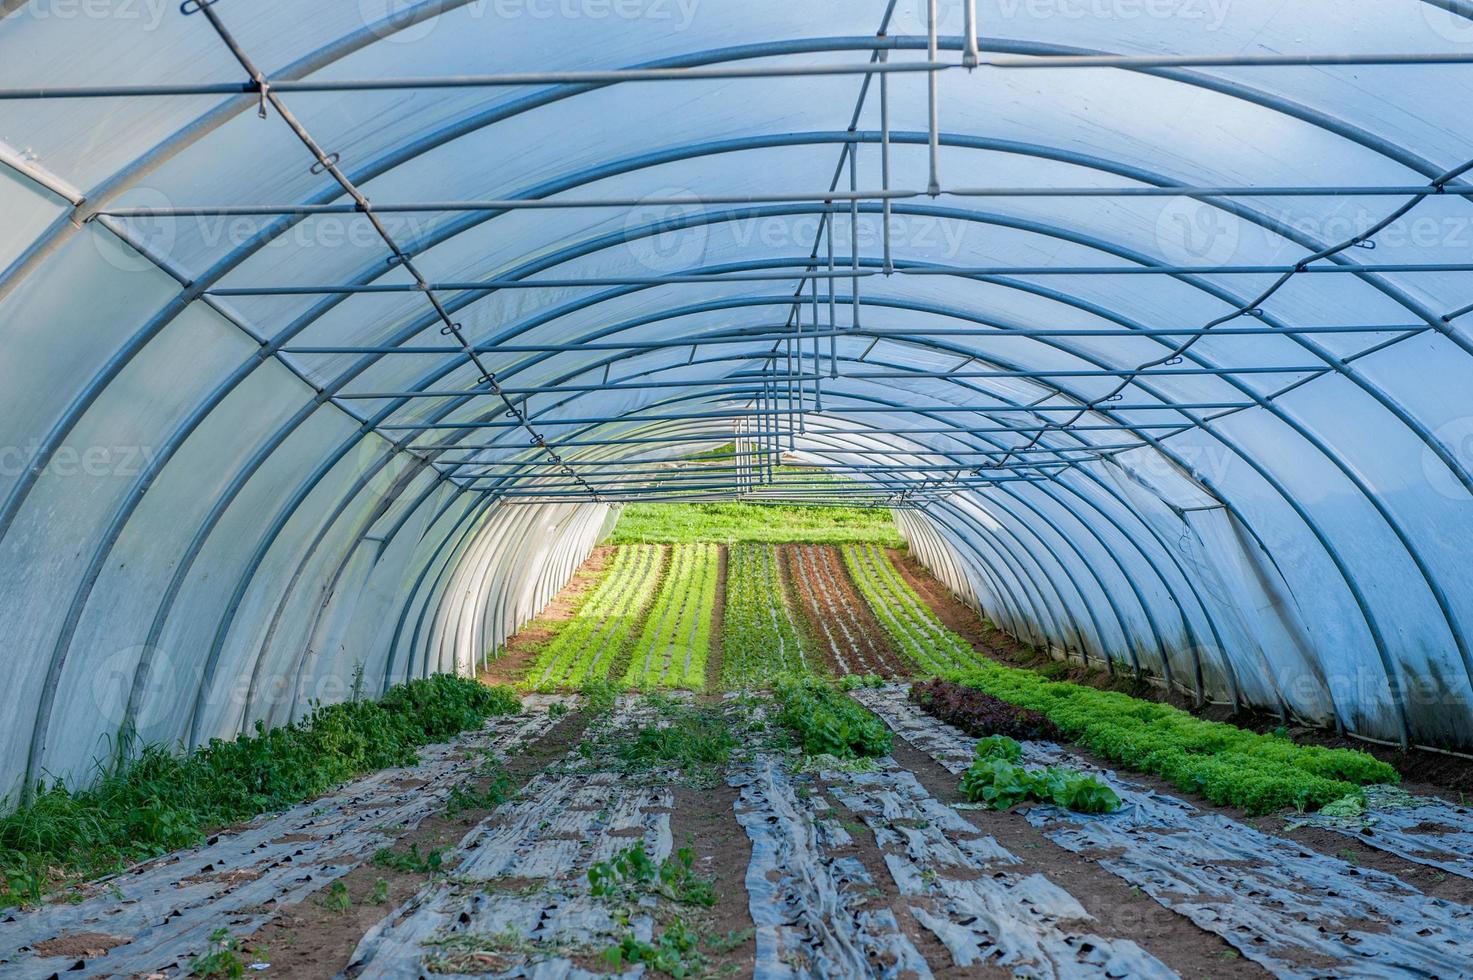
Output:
x=690 y=488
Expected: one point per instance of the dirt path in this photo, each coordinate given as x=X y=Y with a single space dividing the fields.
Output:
x=874 y=870
x=1293 y=910
x=838 y=617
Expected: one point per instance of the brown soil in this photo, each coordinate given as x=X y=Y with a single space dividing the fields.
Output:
x=1121 y=911
x=705 y=821
x=81 y=945
x=309 y=939
x=796 y=596
x=831 y=588
x=523 y=647
x=718 y=620
x=1422 y=772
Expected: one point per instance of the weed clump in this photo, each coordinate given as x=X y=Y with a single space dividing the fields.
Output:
x=160 y=801
x=827 y=722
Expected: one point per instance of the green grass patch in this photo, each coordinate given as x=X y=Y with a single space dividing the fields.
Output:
x=161 y=801
x=677 y=523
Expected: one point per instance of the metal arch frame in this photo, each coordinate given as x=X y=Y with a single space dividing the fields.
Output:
x=1082 y=595
x=1334 y=457
x=1454 y=470
x=304 y=327
x=1385 y=400
x=476 y=505
x=1146 y=607
x=484 y=552
x=1323 y=539
x=1092 y=504
x=1340 y=127
x=1089 y=501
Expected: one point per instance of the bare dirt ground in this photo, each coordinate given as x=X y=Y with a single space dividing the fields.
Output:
x=835 y=616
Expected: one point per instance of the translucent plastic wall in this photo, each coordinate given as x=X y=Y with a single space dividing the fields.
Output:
x=1163 y=358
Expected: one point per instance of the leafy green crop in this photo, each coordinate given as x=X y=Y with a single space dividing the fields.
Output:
x=758 y=637
x=588 y=645
x=676 y=953
x=633 y=870
x=676 y=639
x=828 y=723
x=1223 y=763
x=917 y=633
x=222 y=959
x=160 y=801
x=999 y=747
x=411 y=861
x=995 y=778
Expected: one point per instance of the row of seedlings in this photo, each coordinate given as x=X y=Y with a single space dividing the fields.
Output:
x=760 y=640
x=911 y=624
x=818 y=577
x=593 y=640
x=676 y=640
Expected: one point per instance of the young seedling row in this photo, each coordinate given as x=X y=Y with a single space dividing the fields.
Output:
x=760 y=637
x=676 y=639
x=589 y=643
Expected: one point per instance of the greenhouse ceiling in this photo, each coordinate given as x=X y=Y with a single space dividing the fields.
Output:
x=335 y=334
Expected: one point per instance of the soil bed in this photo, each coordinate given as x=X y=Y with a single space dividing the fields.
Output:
x=826 y=596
